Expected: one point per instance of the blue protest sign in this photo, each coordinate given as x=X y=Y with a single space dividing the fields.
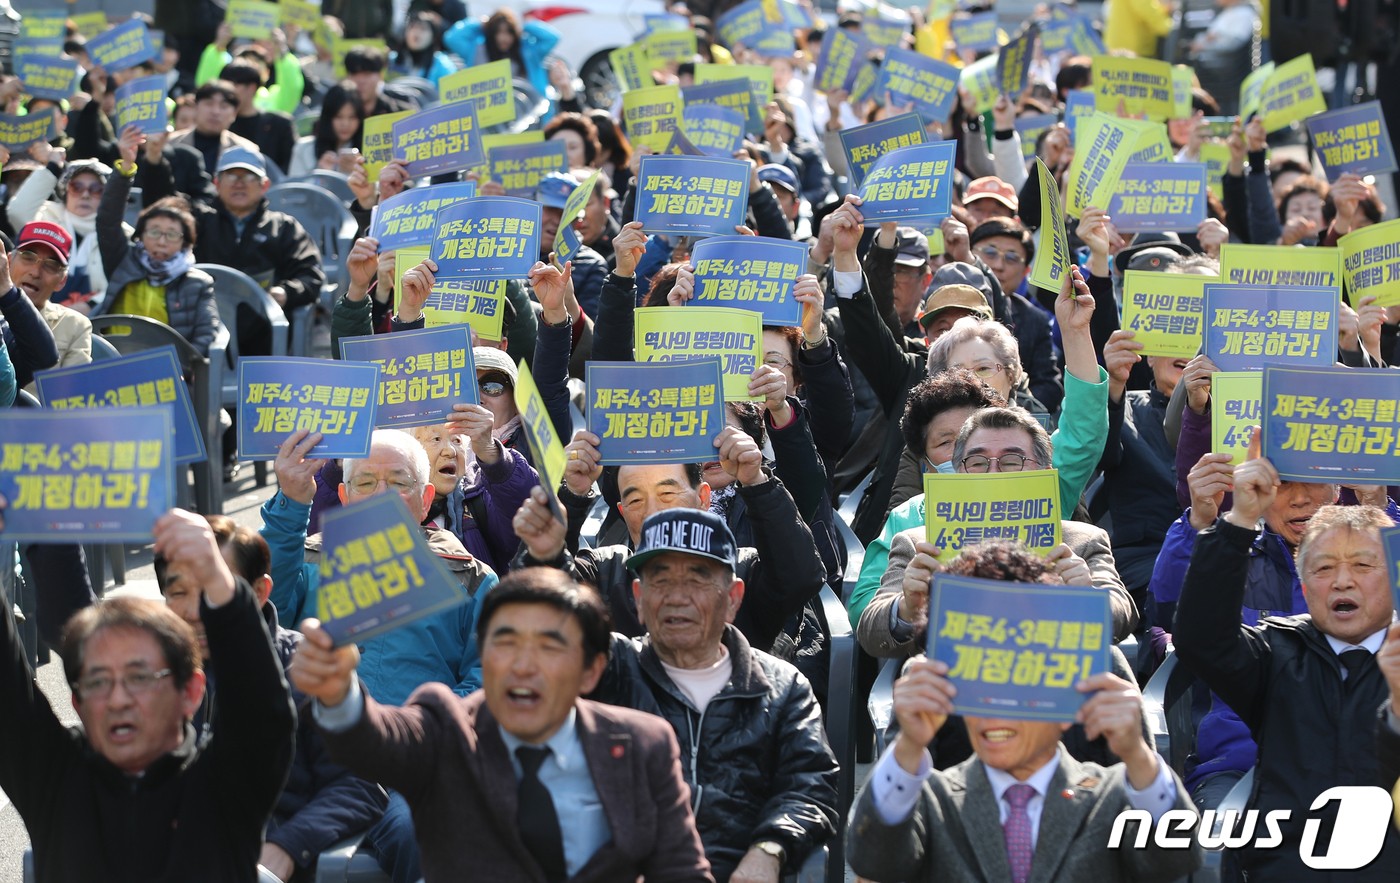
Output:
x=45 y=76
x=48 y=47
x=664 y=21
x=1031 y=127
x=977 y=32
x=1353 y=139
x=909 y=184
x=842 y=53
x=1337 y=425
x=1390 y=538
x=495 y=237
x=865 y=144
x=84 y=476
x=884 y=32
x=713 y=130
x=410 y=218
x=748 y=25
x=737 y=95
x=276 y=397
x=1014 y=62
x=141 y=103
x=692 y=195
x=1248 y=326
x=1017 y=650
x=422 y=373
x=655 y=412
x=928 y=84
x=1159 y=196
x=18 y=133
x=750 y=272
x=1078 y=103
x=142 y=380
x=377 y=572
x=445 y=138
x=126 y=45
x=519 y=167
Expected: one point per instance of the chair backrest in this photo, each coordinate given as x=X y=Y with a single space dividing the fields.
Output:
x=136 y=334
x=325 y=217
x=133 y=206
x=847 y=509
x=841 y=712
x=103 y=349
x=233 y=288
x=327 y=179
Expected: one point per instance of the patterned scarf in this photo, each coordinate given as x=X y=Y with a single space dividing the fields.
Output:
x=162 y=273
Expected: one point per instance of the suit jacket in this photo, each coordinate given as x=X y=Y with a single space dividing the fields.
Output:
x=954 y=833
x=1085 y=540
x=445 y=755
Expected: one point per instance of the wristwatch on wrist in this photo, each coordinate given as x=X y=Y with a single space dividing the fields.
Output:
x=774 y=849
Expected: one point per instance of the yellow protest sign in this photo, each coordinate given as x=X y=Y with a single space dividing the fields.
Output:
x=1217 y=159
x=980 y=81
x=1290 y=94
x=1131 y=87
x=377 y=143
x=632 y=66
x=1283 y=266
x=760 y=77
x=477 y=304
x=1252 y=89
x=304 y=15
x=652 y=114
x=1183 y=80
x=89 y=24
x=488 y=86
x=668 y=334
x=1234 y=411
x=545 y=444
x=961 y=509
x=1099 y=158
x=1152 y=144
x=668 y=47
x=1371 y=259
x=1052 y=259
x=1165 y=311
x=252 y=19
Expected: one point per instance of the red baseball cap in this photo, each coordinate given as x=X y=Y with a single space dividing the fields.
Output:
x=49 y=235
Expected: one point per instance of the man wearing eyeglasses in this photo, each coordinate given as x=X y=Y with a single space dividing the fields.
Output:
x=440 y=648
x=39 y=267
x=1006 y=248
x=134 y=794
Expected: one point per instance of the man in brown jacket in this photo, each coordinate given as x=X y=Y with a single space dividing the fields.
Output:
x=522 y=780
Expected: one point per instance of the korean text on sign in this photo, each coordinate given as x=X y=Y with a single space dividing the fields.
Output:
x=962 y=510
x=1129 y=87
x=478 y=305
x=80 y=476
x=1338 y=425
x=142 y=380
x=277 y=397
x=1164 y=311
x=47 y=77
x=422 y=373
x=377 y=572
x=692 y=195
x=378 y=141
x=912 y=183
x=487 y=86
x=842 y=51
x=1249 y=326
x=714 y=130
x=1281 y=266
x=520 y=167
x=1159 y=196
x=751 y=273
x=652 y=114
x=668 y=334
x=865 y=144
x=19 y=133
x=1371 y=261
x=650 y=413
x=410 y=218
x=1100 y=153
x=546 y=449
x=566 y=238
x=494 y=237
x=1234 y=411
x=444 y=139
x=1353 y=139
x=977 y=32
x=1017 y=650
x=1014 y=61
x=141 y=103
x=126 y=45
x=1052 y=261
x=910 y=78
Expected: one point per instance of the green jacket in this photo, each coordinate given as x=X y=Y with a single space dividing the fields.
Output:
x=1078 y=442
x=284 y=95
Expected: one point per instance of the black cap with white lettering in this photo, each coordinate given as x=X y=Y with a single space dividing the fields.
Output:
x=691 y=531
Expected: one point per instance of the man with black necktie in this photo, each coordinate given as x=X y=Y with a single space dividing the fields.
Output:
x=1307 y=686
x=522 y=780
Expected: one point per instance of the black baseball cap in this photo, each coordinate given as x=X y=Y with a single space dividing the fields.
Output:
x=690 y=531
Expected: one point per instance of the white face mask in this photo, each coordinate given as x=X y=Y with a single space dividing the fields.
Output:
x=946 y=468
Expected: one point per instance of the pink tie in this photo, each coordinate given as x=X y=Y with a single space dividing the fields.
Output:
x=1017 y=830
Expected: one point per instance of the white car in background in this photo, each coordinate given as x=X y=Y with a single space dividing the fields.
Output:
x=591 y=29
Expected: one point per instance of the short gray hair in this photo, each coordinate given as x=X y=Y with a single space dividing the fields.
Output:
x=970 y=328
x=405 y=444
x=1007 y=418
x=1359 y=519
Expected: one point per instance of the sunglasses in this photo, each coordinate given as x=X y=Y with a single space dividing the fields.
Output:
x=95 y=189
x=494 y=385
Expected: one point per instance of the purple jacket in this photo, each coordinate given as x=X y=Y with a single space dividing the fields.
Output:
x=481 y=510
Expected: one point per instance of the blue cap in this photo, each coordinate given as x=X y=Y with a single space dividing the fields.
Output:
x=689 y=531
x=242 y=158
x=554 y=189
x=780 y=175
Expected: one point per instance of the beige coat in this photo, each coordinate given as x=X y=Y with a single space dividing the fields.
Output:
x=72 y=335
